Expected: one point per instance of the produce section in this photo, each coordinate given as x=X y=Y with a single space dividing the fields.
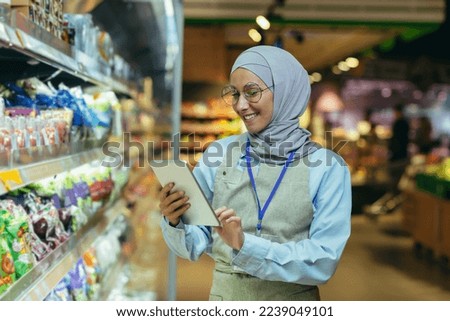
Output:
x=426 y=210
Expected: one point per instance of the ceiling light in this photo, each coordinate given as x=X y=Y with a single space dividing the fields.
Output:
x=342 y=65
x=316 y=76
x=255 y=35
x=352 y=62
x=336 y=70
x=263 y=22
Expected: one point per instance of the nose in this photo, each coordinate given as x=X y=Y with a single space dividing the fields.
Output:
x=242 y=103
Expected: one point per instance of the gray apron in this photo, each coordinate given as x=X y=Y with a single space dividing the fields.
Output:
x=287 y=218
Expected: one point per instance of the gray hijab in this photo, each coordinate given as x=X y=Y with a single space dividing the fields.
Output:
x=291 y=91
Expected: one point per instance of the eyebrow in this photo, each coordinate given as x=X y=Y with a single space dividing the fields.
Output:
x=250 y=83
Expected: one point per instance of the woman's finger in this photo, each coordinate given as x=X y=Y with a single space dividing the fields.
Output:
x=233 y=219
x=220 y=210
x=173 y=197
x=178 y=212
x=165 y=191
x=223 y=216
x=177 y=204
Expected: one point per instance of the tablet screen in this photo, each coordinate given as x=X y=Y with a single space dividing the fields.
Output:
x=200 y=212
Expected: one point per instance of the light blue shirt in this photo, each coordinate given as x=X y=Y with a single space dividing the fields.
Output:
x=311 y=261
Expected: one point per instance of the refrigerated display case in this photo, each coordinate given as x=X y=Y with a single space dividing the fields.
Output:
x=27 y=50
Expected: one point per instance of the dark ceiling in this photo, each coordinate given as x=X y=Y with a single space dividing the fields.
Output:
x=139 y=34
x=432 y=45
x=136 y=34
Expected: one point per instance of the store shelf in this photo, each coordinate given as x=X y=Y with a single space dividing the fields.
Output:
x=194 y=146
x=38 y=282
x=210 y=128
x=31 y=44
x=29 y=165
x=207 y=115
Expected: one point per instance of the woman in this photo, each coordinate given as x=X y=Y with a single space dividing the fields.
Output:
x=283 y=202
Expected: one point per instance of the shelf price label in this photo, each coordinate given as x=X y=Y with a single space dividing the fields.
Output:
x=10 y=179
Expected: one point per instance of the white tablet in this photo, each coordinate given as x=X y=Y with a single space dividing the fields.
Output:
x=200 y=212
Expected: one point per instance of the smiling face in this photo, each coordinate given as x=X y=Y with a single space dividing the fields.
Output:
x=256 y=116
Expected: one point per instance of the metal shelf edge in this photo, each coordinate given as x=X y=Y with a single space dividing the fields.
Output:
x=31 y=45
x=36 y=171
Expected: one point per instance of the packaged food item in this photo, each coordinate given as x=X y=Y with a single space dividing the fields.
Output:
x=17 y=238
x=45 y=221
x=7 y=271
x=79 y=207
x=62 y=120
x=92 y=273
x=16 y=233
x=77 y=282
x=100 y=107
x=20 y=203
x=38 y=247
x=60 y=292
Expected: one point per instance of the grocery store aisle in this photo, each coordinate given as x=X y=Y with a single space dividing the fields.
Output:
x=378 y=264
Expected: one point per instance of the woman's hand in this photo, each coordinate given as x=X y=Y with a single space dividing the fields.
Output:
x=231 y=230
x=173 y=204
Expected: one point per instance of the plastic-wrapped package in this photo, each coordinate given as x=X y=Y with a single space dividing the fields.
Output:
x=77 y=201
x=60 y=292
x=61 y=119
x=17 y=229
x=92 y=273
x=16 y=233
x=7 y=272
x=77 y=282
x=37 y=90
x=80 y=117
x=18 y=97
x=100 y=107
x=45 y=221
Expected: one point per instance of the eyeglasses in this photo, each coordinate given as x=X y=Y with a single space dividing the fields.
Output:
x=252 y=93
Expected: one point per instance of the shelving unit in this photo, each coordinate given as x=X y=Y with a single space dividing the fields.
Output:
x=38 y=282
x=40 y=53
x=30 y=165
x=27 y=50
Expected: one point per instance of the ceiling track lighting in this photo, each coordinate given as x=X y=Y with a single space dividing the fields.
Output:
x=264 y=23
x=255 y=35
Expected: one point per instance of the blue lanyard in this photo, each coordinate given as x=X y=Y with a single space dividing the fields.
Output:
x=262 y=211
